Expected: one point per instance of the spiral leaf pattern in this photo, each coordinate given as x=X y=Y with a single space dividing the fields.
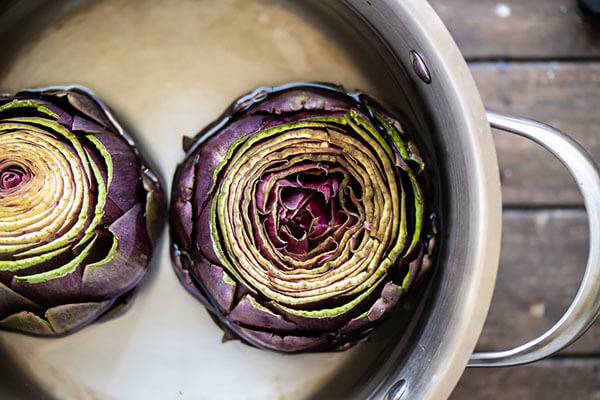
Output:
x=74 y=199
x=298 y=219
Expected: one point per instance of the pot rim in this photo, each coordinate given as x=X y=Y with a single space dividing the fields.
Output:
x=441 y=353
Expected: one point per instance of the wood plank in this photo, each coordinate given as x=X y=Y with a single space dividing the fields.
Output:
x=517 y=29
x=548 y=379
x=565 y=95
x=542 y=262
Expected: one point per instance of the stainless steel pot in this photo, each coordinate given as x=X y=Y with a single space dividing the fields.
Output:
x=432 y=365
x=431 y=77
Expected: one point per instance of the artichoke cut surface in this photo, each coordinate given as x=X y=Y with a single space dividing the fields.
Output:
x=298 y=218
x=78 y=212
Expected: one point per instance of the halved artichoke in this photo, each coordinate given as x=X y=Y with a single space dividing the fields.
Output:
x=80 y=212
x=298 y=217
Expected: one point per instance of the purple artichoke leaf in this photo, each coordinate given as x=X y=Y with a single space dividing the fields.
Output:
x=29 y=323
x=184 y=272
x=13 y=302
x=119 y=271
x=120 y=306
x=68 y=317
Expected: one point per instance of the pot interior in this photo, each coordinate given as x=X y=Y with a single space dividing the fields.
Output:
x=167 y=70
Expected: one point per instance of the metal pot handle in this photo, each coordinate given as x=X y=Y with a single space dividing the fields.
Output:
x=586 y=306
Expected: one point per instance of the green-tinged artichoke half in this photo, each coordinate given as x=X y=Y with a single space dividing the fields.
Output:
x=80 y=211
x=299 y=218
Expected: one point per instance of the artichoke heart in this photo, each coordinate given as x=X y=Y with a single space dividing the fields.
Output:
x=78 y=216
x=298 y=218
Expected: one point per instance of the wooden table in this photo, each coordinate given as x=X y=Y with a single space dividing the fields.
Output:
x=539 y=59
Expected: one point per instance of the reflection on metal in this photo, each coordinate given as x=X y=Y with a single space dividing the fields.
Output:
x=397 y=390
x=420 y=67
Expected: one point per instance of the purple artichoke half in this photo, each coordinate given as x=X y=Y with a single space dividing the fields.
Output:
x=297 y=218
x=80 y=211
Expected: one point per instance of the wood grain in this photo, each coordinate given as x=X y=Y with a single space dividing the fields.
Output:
x=565 y=95
x=517 y=29
x=542 y=262
x=539 y=59
x=549 y=379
